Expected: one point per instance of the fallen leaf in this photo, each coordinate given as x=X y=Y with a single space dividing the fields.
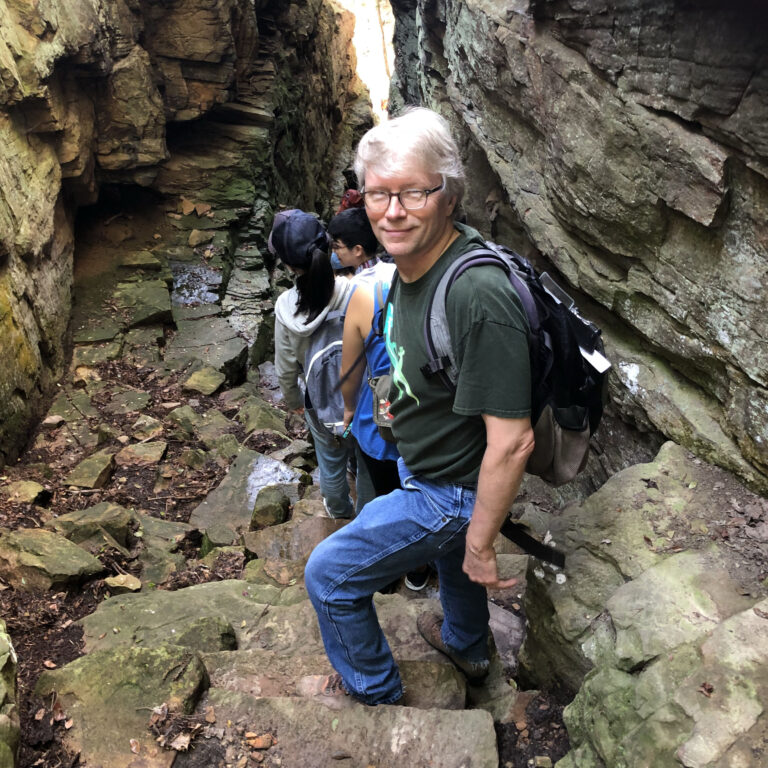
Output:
x=58 y=712
x=40 y=714
x=707 y=689
x=210 y=715
x=181 y=742
x=159 y=714
x=69 y=723
x=48 y=664
x=135 y=746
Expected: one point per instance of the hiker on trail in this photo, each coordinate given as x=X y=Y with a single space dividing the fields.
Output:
x=364 y=356
x=463 y=454
x=300 y=242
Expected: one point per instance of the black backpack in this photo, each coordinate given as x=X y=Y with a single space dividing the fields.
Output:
x=568 y=365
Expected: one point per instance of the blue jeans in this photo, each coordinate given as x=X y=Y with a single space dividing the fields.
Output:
x=363 y=484
x=426 y=521
x=332 y=454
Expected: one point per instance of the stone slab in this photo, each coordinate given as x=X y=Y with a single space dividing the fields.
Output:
x=232 y=502
x=310 y=734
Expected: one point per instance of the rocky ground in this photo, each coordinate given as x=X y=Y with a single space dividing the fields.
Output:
x=43 y=625
x=156 y=480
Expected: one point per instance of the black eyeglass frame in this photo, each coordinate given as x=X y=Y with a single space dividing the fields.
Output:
x=427 y=193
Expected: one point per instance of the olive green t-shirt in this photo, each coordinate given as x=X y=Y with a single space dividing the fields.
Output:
x=441 y=435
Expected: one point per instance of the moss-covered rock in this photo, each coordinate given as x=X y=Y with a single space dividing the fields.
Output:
x=34 y=559
x=110 y=695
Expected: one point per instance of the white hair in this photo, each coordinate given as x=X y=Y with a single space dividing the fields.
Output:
x=418 y=136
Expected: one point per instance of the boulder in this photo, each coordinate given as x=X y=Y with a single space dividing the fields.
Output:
x=258 y=672
x=110 y=696
x=145 y=302
x=141 y=454
x=271 y=507
x=206 y=381
x=256 y=413
x=147 y=427
x=23 y=491
x=159 y=555
x=388 y=737
x=232 y=502
x=653 y=620
x=103 y=523
x=293 y=540
x=148 y=619
x=9 y=716
x=33 y=559
x=93 y=471
x=123 y=582
x=212 y=341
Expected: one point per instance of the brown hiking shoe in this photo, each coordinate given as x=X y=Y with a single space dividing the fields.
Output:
x=328 y=690
x=429 y=625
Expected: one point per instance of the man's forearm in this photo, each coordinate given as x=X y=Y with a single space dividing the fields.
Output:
x=501 y=473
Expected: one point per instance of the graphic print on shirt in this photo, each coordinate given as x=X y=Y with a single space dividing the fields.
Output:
x=396 y=356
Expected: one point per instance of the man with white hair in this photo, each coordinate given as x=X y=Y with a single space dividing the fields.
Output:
x=463 y=452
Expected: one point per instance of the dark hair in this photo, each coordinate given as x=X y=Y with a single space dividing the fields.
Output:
x=299 y=240
x=315 y=287
x=353 y=228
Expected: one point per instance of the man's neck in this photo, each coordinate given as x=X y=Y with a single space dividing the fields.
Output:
x=411 y=268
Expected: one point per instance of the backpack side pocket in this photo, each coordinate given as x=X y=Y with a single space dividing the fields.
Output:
x=381 y=416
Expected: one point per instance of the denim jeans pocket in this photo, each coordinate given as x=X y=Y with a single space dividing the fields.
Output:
x=440 y=503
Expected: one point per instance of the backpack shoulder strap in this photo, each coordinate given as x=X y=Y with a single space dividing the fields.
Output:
x=437 y=336
x=380 y=316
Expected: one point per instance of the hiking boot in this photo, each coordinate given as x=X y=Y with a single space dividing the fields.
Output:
x=417 y=580
x=429 y=625
x=328 y=690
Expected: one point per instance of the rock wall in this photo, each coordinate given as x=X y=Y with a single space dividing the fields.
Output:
x=625 y=144
x=9 y=717
x=229 y=102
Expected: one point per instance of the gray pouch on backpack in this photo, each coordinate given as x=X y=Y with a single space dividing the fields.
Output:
x=561 y=445
x=381 y=416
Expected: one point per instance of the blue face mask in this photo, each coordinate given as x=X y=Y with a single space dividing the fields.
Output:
x=336 y=261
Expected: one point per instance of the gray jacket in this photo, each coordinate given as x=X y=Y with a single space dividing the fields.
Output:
x=292 y=336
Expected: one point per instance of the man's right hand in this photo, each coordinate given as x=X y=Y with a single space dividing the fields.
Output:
x=481 y=567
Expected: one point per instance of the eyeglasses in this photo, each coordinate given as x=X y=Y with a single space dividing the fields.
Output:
x=411 y=199
x=338 y=245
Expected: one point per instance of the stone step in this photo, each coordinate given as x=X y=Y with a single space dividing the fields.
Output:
x=260 y=673
x=303 y=732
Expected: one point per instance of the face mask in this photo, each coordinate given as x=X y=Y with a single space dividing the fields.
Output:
x=336 y=261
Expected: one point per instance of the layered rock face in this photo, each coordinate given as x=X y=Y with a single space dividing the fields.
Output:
x=225 y=101
x=626 y=145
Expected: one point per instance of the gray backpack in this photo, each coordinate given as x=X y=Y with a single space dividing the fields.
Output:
x=322 y=368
